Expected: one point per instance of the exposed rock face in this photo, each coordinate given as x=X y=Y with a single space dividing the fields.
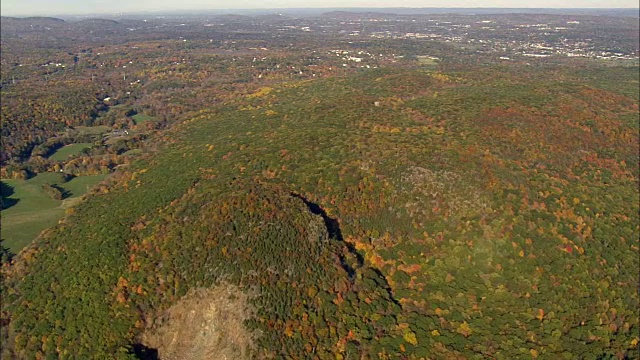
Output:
x=205 y=324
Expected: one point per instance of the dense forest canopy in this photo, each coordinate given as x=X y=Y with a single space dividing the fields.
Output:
x=371 y=197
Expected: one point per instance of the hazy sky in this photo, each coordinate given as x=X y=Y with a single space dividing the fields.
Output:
x=71 y=7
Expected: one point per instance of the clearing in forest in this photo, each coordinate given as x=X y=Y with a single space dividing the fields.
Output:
x=30 y=210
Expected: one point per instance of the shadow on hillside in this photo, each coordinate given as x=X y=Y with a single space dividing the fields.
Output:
x=333 y=229
x=7 y=202
x=143 y=352
x=333 y=226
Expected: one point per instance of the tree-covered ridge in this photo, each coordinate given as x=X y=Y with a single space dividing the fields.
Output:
x=481 y=214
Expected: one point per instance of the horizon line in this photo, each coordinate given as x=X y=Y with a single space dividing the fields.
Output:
x=186 y=11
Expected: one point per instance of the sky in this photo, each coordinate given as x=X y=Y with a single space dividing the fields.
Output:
x=77 y=7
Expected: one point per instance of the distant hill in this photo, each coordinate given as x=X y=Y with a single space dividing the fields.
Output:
x=626 y=12
x=32 y=19
x=96 y=22
x=471 y=212
x=12 y=24
x=17 y=27
x=354 y=14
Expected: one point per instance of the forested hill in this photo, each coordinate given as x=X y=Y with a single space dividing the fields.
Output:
x=386 y=214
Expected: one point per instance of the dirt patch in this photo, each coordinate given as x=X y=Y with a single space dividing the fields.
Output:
x=205 y=324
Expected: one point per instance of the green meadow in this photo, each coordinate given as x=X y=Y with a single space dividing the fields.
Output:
x=427 y=60
x=69 y=150
x=30 y=210
x=142 y=118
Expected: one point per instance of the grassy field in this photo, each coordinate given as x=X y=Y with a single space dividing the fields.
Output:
x=142 y=118
x=34 y=211
x=133 y=152
x=64 y=152
x=428 y=60
x=79 y=185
